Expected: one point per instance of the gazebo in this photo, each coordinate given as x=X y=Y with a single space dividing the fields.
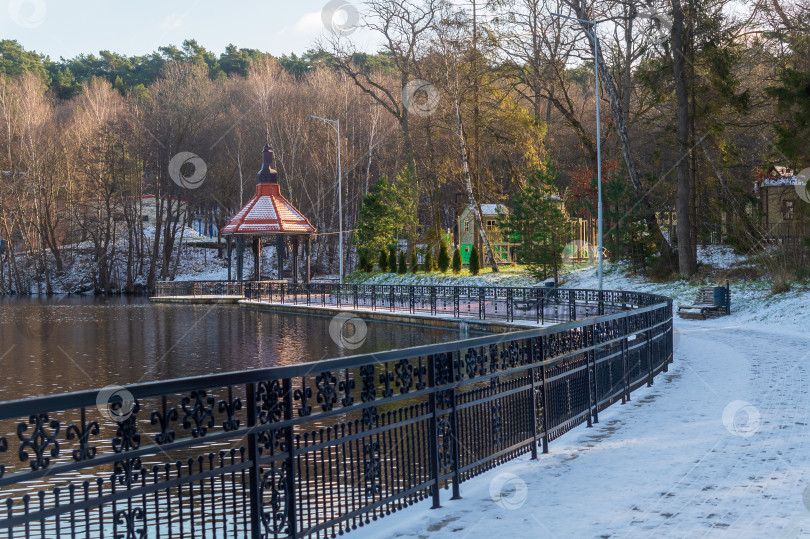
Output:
x=268 y=214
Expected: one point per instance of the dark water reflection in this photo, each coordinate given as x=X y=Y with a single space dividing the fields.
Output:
x=70 y=343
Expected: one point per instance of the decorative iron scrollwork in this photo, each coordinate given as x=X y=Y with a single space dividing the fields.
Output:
x=128 y=518
x=82 y=433
x=276 y=519
x=368 y=392
x=127 y=437
x=346 y=387
x=386 y=377
x=230 y=407
x=327 y=384
x=270 y=400
x=404 y=375
x=126 y=471
x=446 y=457
x=302 y=395
x=474 y=360
x=202 y=413
x=371 y=468
x=370 y=416
x=39 y=440
x=272 y=440
x=497 y=424
x=166 y=435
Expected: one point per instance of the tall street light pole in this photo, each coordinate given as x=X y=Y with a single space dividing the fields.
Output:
x=336 y=126
x=590 y=29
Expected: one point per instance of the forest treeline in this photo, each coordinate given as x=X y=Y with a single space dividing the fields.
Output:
x=461 y=105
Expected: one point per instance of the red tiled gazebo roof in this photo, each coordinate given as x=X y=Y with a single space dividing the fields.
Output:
x=268 y=212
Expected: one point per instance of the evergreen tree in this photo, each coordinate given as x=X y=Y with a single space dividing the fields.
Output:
x=538 y=223
x=428 y=265
x=403 y=268
x=364 y=263
x=475 y=261
x=386 y=212
x=456 y=261
x=444 y=257
x=414 y=261
x=392 y=259
x=383 y=261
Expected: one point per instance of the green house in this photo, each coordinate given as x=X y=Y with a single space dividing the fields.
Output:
x=505 y=250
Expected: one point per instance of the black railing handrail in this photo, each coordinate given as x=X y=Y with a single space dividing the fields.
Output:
x=43 y=404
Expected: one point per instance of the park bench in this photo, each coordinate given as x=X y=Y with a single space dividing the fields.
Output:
x=710 y=301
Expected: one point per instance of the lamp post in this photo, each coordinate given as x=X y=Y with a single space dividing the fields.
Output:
x=590 y=29
x=336 y=126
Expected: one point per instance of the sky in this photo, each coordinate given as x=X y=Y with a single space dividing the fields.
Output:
x=62 y=28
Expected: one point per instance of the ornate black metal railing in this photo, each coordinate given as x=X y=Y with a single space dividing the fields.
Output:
x=314 y=449
x=535 y=304
x=198 y=288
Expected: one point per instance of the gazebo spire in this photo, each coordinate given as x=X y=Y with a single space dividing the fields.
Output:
x=268 y=173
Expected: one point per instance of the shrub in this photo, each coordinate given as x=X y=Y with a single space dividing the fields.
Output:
x=403 y=268
x=428 y=265
x=414 y=261
x=383 y=262
x=364 y=263
x=456 y=261
x=444 y=257
x=475 y=261
x=392 y=259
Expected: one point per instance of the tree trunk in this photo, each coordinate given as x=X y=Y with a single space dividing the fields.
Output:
x=686 y=263
x=650 y=219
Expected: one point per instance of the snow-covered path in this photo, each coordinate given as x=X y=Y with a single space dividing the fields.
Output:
x=719 y=446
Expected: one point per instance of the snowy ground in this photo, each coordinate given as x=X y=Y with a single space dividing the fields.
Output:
x=717 y=447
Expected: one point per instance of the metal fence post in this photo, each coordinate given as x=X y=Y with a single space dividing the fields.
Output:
x=648 y=335
x=433 y=435
x=290 y=476
x=533 y=389
x=455 y=442
x=254 y=471
x=544 y=396
x=455 y=302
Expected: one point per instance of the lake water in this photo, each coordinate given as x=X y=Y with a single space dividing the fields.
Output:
x=69 y=343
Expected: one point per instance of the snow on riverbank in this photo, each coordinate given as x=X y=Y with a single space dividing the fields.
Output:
x=717 y=447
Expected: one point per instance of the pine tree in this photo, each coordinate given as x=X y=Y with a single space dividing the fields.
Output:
x=383 y=261
x=444 y=257
x=475 y=261
x=538 y=223
x=428 y=265
x=456 y=261
x=403 y=268
x=364 y=264
x=414 y=261
x=392 y=259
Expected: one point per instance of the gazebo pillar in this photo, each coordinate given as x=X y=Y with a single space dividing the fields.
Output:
x=280 y=255
x=257 y=258
x=228 y=255
x=240 y=257
x=307 y=249
x=295 y=259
